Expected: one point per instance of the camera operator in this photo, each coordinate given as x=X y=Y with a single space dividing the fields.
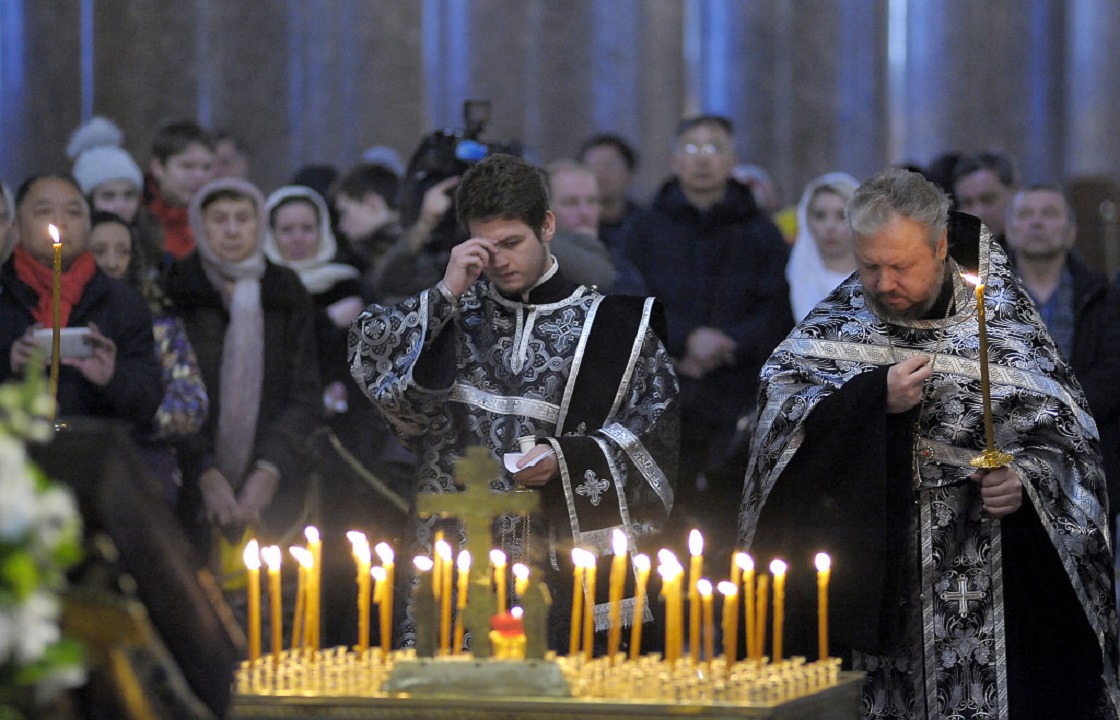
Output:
x=418 y=258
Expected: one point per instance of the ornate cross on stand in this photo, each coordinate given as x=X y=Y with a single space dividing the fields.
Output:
x=962 y=595
x=476 y=506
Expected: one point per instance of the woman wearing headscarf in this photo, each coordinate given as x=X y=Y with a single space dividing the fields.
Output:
x=822 y=254
x=252 y=326
x=364 y=469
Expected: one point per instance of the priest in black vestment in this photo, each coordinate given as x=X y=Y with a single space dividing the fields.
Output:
x=506 y=347
x=962 y=593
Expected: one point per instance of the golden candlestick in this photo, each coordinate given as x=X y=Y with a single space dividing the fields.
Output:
x=991 y=458
x=56 y=325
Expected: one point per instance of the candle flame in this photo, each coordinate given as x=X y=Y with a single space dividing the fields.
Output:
x=272 y=557
x=311 y=533
x=695 y=543
x=641 y=561
x=54 y=234
x=778 y=567
x=970 y=278
x=302 y=555
x=744 y=561
x=498 y=558
x=583 y=558
x=521 y=571
x=823 y=561
x=355 y=537
x=361 y=553
x=517 y=612
x=252 y=554
x=618 y=542
x=384 y=552
x=463 y=561
x=423 y=563
x=443 y=549
x=378 y=573
x=665 y=555
x=704 y=587
x=728 y=588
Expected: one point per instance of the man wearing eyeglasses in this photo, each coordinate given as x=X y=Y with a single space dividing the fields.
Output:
x=717 y=263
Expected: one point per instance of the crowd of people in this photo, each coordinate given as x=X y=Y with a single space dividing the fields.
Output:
x=321 y=353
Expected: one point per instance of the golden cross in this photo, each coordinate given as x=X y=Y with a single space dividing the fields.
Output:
x=476 y=506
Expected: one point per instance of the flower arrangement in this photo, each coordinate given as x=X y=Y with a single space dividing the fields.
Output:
x=40 y=538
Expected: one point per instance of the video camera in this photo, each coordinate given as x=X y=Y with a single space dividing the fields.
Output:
x=444 y=154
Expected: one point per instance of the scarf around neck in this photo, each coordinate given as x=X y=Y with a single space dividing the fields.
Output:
x=41 y=280
x=242 y=370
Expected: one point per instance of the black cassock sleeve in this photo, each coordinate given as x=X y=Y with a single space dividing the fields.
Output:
x=846 y=492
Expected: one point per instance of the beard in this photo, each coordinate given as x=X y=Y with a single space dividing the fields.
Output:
x=917 y=311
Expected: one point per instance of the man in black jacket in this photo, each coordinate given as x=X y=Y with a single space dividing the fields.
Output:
x=718 y=264
x=120 y=378
x=1077 y=306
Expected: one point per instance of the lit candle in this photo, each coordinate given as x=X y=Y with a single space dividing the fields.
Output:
x=695 y=570
x=379 y=592
x=520 y=579
x=303 y=560
x=577 y=602
x=778 y=570
x=730 y=624
x=437 y=567
x=314 y=587
x=253 y=566
x=704 y=589
x=498 y=565
x=991 y=457
x=362 y=558
x=589 y=577
x=746 y=564
x=463 y=563
x=617 y=584
x=671 y=573
x=446 y=565
x=272 y=557
x=423 y=604
x=824 y=568
x=56 y=327
x=385 y=553
x=761 y=598
x=642 y=565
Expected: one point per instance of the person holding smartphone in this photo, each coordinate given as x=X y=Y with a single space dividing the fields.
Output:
x=119 y=378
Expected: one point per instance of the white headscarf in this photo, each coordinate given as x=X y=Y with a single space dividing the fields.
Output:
x=809 y=280
x=318 y=273
x=242 y=370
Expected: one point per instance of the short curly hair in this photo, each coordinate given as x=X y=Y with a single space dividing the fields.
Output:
x=503 y=187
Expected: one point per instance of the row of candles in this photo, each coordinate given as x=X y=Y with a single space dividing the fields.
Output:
x=756 y=593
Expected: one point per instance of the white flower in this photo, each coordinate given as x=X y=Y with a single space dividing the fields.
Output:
x=17 y=490
x=56 y=517
x=37 y=622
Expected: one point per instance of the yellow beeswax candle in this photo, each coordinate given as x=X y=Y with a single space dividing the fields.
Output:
x=617 y=585
x=824 y=568
x=778 y=570
x=252 y=559
x=642 y=567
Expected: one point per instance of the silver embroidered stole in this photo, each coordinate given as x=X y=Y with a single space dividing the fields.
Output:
x=955 y=658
